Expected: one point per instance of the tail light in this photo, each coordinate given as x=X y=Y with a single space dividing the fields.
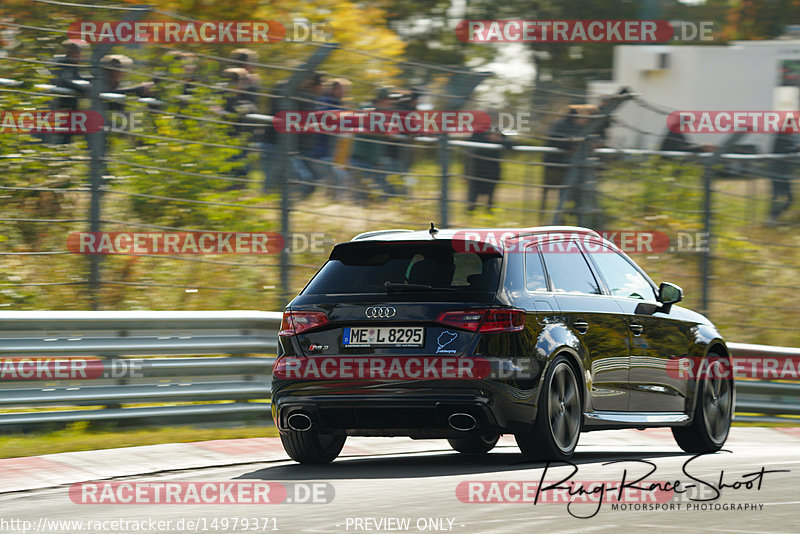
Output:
x=503 y=320
x=485 y=321
x=295 y=322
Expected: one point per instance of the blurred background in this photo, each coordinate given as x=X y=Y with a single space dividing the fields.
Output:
x=204 y=156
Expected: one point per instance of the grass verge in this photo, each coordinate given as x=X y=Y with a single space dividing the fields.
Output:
x=83 y=437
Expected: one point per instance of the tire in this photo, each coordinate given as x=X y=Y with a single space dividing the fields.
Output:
x=476 y=444
x=712 y=416
x=311 y=447
x=557 y=427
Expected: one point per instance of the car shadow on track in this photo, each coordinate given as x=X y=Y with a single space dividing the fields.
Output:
x=416 y=465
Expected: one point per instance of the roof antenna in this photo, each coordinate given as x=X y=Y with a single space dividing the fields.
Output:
x=433 y=231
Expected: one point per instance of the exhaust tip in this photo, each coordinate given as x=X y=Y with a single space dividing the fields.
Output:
x=299 y=422
x=462 y=422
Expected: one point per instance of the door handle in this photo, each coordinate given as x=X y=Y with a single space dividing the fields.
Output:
x=637 y=329
x=581 y=326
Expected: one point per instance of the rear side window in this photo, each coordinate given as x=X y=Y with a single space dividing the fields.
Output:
x=569 y=272
x=365 y=267
x=535 y=279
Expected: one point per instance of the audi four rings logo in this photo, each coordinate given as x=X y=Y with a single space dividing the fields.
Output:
x=380 y=312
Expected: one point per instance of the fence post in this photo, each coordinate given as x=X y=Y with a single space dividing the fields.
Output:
x=709 y=172
x=586 y=206
x=705 y=260
x=456 y=93
x=444 y=160
x=288 y=147
x=97 y=151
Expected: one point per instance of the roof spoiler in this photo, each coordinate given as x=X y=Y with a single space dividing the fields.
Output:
x=374 y=233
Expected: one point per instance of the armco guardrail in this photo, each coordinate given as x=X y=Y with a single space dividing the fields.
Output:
x=763 y=401
x=118 y=379
x=63 y=333
x=219 y=388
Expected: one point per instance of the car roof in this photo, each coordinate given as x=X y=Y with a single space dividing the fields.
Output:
x=476 y=234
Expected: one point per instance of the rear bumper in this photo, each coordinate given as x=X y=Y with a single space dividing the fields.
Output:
x=392 y=410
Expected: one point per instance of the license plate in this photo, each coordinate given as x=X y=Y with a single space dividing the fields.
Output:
x=385 y=336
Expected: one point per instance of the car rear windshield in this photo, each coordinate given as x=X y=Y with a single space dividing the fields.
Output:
x=413 y=268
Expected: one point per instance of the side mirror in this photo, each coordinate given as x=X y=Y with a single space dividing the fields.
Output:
x=669 y=294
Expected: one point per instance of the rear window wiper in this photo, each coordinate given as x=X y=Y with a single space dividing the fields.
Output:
x=392 y=287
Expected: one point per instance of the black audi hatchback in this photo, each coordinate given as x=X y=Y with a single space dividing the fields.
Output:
x=468 y=334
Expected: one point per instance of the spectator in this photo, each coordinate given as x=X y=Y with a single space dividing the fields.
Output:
x=236 y=107
x=570 y=134
x=324 y=144
x=69 y=76
x=309 y=100
x=237 y=104
x=369 y=150
x=676 y=141
x=483 y=168
x=404 y=151
x=114 y=66
x=782 y=174
x=561 y=135
x=247 y=60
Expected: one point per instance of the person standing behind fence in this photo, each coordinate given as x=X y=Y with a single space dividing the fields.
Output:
x=369 y=151
x=114 y=66
x=781 y=172
x=577 y=178
x=405 y=151
x=309 y=99
x=236 y=107
x=68 y=75
x=676 y=141
x=251 y=85
x=483 y=168
x=237 y=104
x=324 y=144
x=559 y=136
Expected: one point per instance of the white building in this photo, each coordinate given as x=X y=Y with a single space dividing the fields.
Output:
x=744 y=75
